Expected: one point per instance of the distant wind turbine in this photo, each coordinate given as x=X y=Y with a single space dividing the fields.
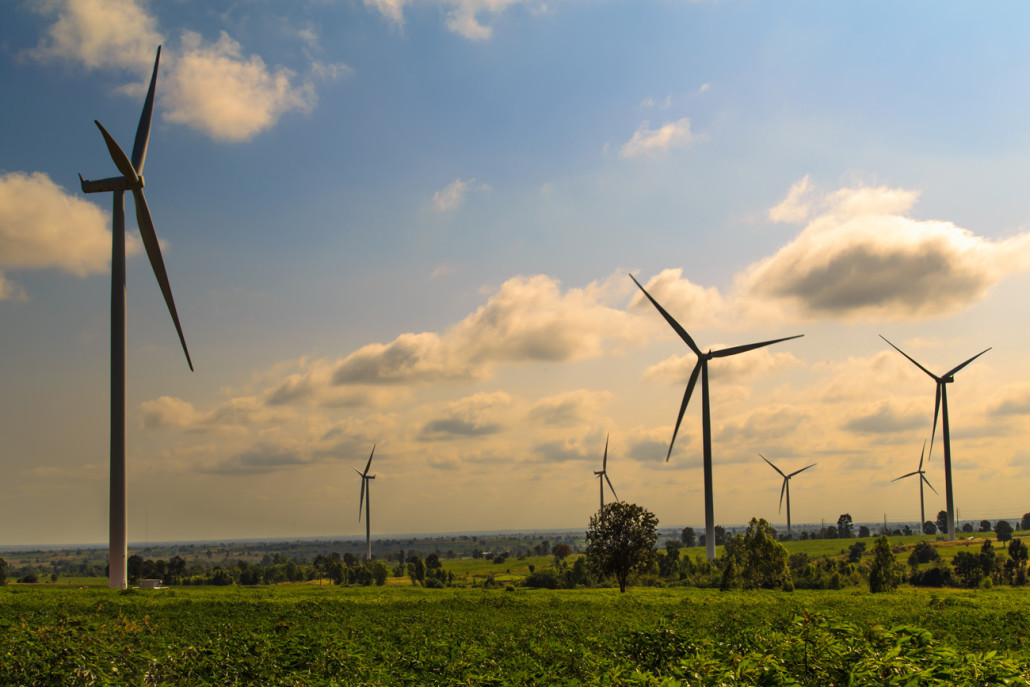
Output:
x=366 y=500
x=701 y=368
x=922 y=478
x=785 y=489
x=130 y=180
x=602 y=475
x=940 y=406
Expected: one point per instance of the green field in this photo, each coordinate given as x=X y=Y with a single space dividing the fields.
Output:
x=328 y=635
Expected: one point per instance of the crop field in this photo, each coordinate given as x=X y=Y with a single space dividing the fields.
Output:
x=328 y=635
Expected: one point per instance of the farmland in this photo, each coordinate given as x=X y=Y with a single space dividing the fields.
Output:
x=326 y=635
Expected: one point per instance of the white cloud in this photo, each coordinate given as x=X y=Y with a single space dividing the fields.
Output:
x=861 y=257
x=42 y=226
x=692 y=305
x=653 y=142
x=214 y=89
x=452 y=196
x=463 y=17
x=99 y=34
x=391 y=9
x=796 y=206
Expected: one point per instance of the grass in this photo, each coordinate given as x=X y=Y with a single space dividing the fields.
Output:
x=311 y=635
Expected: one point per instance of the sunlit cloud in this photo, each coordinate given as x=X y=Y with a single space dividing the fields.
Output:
x=861 y=257
x=653 y=142
x=470 y=19
x=42 y=226
x=99 y=34
x=452 y=196
x=217 y=90
x=887 y=417
x=212 y=87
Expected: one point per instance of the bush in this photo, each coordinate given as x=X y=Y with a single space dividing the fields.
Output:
x=883 y=573
x=544 y=579
x=923 y=553
x=938 y=575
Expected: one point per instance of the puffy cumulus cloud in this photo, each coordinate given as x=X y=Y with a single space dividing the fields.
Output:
x=43 y=226
x=309 y=382
x=764 y=423
x=215 y=89
x=861 y=257
x=99 y=33
x=886 y=417
x=529 y=319
x=451 y=196
x=692 y=305
x=654 y=142
x=569 y=408
x=391 y=9
x=474 y=416
x=563 y=451
x=237 y=415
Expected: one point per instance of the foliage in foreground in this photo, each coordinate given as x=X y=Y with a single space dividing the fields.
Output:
x=310 y=635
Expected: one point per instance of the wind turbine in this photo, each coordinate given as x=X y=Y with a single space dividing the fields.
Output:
x=940 y=406
x=131 y=179
x=602 y=475
x=785 y=489
x=701 y=368
x=366 y=499
x=922 y=478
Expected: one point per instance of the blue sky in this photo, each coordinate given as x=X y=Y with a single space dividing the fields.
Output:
x=410 y=223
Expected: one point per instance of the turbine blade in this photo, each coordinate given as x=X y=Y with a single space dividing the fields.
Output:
x=750 y=347
x=932 y=375
x=149 y=236
x=928 y=484
x=683 y=406
x=139 y=146
x=922 y=453
x=361 y=503
x=782 y=490
x=801 y=470
x=959 y=367
x=604 y=463
x=773 y=466
x=118 y=155
x=936 y=411
x=611 y=487
x=906 y=475
x=669 y=318
x=369 y=463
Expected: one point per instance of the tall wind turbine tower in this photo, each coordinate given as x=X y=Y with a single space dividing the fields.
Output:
x=131 y=179
x=701 y=368
x=602 y=475
x=940 y=406
x=366 y=500
x=785 y=489
x=922 y=479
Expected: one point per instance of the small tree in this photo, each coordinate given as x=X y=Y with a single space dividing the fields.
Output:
x=967 y=528
x=942 y=522
x=844 y=524
x=863 y=531
x=763 y=559
x=985 y=526
x=1024 y=524
x=884 y=575
x=3 y=572
x=1003 y=530
x=688 y=537
x=620 y=539
x=929 y=527
x=1017 y=561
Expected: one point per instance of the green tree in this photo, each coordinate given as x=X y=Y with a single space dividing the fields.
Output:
x=985 y=526
x=844 y=525
x=929 y=527
x=855 y=552
x=923 y=552
x=620 y=539
x=763 y=559
x=3 y=572
x=942 y=522
x=134 y=568
x=1016 y=563
x=1003 y=530
x=1024 y=524
x=884 y=575
x=968 y=567
x=689 y=538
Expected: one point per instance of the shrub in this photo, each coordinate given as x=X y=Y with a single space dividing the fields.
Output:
x=545 y=579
